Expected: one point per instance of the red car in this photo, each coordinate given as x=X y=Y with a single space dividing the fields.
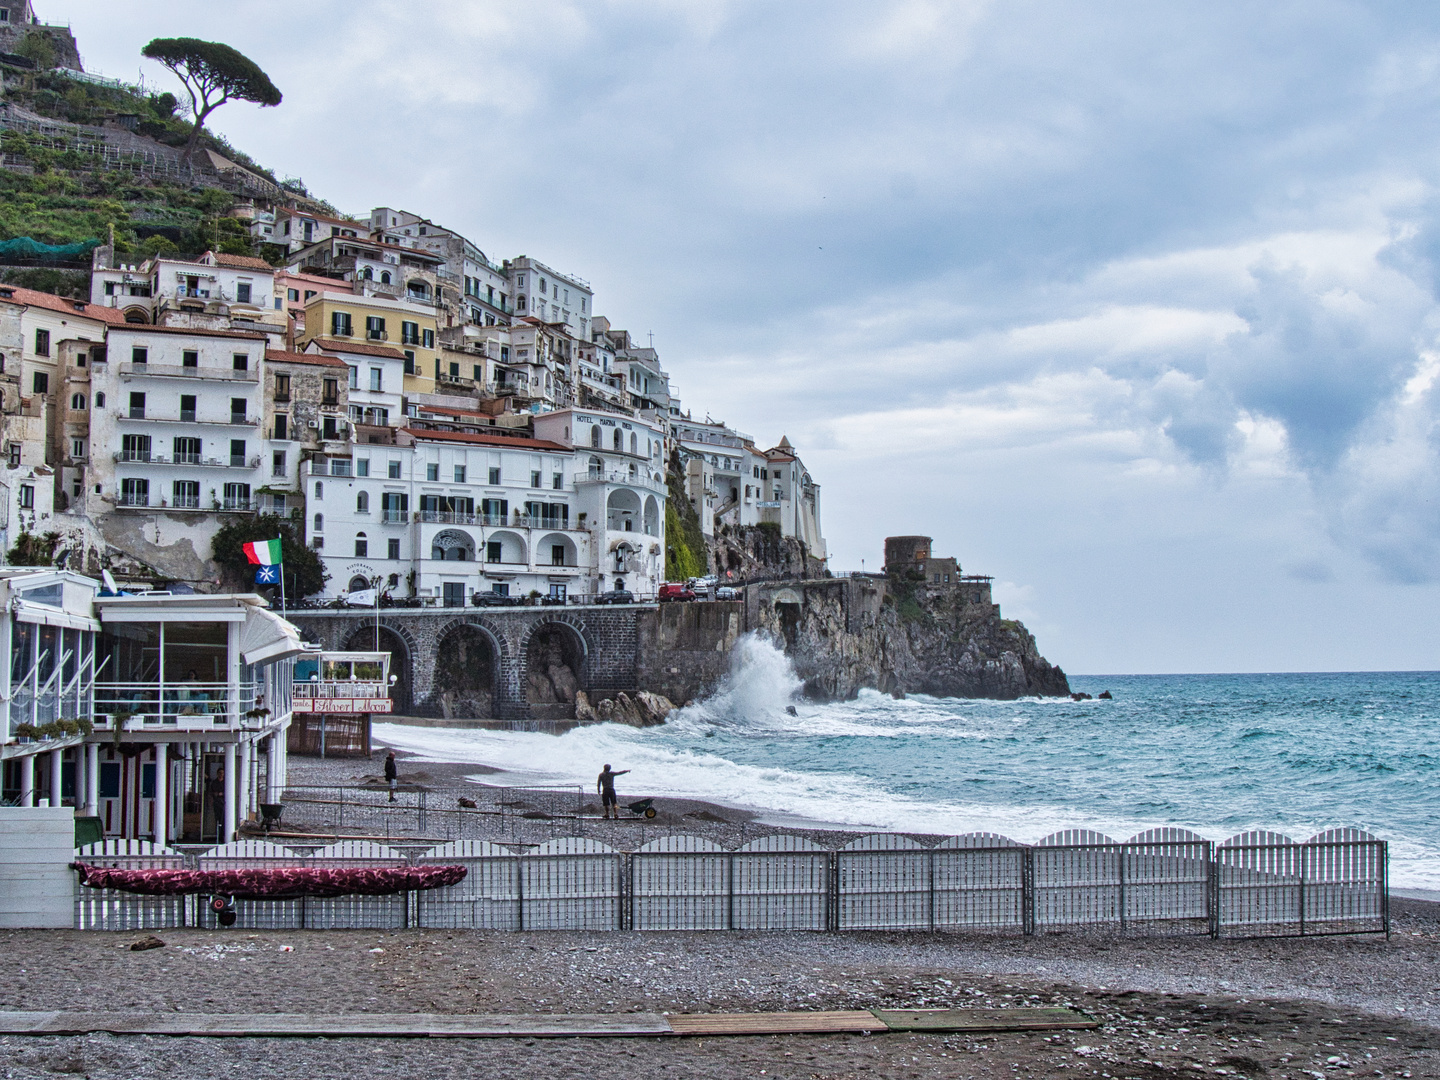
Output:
x=675 y=591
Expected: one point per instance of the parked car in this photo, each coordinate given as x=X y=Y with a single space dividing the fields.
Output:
x=727 y=592
x=616 y=596
x=490 y=599
x=672 y=590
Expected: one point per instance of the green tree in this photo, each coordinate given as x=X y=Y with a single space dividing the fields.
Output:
x=36 y=45
x=33 y=550
x=304 y=572
x=685 y=549
x=213 y=74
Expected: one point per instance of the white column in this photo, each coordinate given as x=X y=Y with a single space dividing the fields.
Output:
x=232 y=782
x=92 y=778
x=272 y=770
x=27 y=780
x=162 y=793
x=57 y=774
x=246 y=753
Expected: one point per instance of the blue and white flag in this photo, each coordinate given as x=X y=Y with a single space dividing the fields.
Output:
x=267 y=575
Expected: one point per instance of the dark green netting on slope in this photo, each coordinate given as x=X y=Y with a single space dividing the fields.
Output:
x=22 y=247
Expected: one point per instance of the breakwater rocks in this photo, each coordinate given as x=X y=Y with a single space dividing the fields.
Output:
x=897 y=634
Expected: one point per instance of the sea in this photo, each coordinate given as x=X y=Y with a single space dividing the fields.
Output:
x=1294 y=753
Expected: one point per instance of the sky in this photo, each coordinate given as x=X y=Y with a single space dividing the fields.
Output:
x=1130 y=305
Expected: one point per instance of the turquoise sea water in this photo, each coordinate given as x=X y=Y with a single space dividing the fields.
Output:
x=1215 y=753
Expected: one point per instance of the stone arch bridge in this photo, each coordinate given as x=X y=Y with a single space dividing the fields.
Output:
x=506 y=663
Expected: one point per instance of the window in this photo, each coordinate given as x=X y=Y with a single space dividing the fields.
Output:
x=237 y=453
x=42 y=342
x=362 y=546
x=454 y=593
x=330 y=392
x=393 y=548
x=282 y=426
x=282 y=387
x=140 y=355
x=277 y=463
x=394 y=470
x=494 y=474
x=557 y=554
x=410 y=362
x=137 y=406
x=354 y=378
x=14 y=454
x=319 y=523
x=187 y=451
x=377 y=379
x=293 y=295
x=427 y=339
x=619 y=440
x=499 y=590
x=77 y=402
x=459 y=474
x=340 y=324
x=362 y=503
x=100 y=401
x=134 y=492
x=240 y=361
x=185 y=494
x=27 y=496
x=189 y=358
x=187 y=407
x=432 y=471
x=242 y=292
x=384 y=277
x=409 y=333
x=534 y=478
x=317 y=543
x=77 y=448
x=319 y=489
x=237 y=496
x=492 y=551
x=237 y=410
x=557 y=481
x=595 y=436
x=329 y=428
x=454 y=370
x=375 y=328
x=362 y=466
x=394 y=507
x=41 y=385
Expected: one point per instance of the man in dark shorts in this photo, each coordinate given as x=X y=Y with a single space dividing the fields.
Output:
x=605 y=785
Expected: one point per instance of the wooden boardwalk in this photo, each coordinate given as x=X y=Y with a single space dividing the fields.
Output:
x=534 y=1025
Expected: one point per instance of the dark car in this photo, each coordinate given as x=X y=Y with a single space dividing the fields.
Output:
x=616 y=596
x=490 y=599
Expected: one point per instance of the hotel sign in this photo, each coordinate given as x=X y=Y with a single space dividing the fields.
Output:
x=342 y=706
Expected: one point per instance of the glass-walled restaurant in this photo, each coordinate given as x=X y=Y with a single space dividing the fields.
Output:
x=189 y=697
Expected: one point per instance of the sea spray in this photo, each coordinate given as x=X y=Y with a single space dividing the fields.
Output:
x=760 y=684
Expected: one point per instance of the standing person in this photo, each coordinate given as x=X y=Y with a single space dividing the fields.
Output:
x=605 y=785
x=392 y=774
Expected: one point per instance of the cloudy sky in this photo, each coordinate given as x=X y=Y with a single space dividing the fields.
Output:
x=1131 y=305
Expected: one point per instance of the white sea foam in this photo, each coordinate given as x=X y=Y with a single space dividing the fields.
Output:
x=694 y=756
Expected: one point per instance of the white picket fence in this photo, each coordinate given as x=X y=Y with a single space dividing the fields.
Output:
x=1163 y=881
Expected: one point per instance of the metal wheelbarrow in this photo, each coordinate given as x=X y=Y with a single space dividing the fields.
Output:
x=642 y=808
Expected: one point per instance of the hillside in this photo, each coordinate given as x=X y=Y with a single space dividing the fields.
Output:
x=80 y=157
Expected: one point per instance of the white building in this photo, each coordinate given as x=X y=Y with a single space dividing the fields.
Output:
x=456 y=513
x=215 y=291
x=551 y=297
x=175 y=426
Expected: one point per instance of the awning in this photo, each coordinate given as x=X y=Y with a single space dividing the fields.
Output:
x=49 y=616
x=266 y=637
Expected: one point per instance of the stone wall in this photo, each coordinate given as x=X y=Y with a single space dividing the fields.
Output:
x=683 y=649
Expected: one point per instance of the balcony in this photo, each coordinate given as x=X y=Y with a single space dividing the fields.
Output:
x=459 y=382
x=394 y=517
x=614 y=476
x=142 y=457
x=330 y=467
x=188 y=416
x=187 y=706
x=176 y=371
x=496 y=521
x=134 y=500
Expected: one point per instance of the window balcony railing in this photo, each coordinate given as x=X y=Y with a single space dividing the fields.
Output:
x=393 y=517
x=330 y=467
x=194 y=460
x=132 y=499
x=135 y=455
x=179 y=706
x=186 y=502
x=237 y=504
x=181 y=371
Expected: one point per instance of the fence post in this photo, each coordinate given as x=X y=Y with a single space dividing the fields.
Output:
x=1304 y=849
x=1027 y=892
x=519 y=892
x=1385 y=886
x=1212 y=889
x=832 y=891
x=1122 y=888
x=730 y=891
x=420 y=811
x=626 y=914
x=930 y=867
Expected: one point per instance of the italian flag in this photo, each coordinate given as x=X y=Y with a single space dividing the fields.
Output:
x=263 y=552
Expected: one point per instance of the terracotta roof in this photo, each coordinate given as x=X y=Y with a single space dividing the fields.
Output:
x=485 y=440
x=51 y=302
x=360 y=348
x=240 y=262
x=194 y=331
x=314 y=359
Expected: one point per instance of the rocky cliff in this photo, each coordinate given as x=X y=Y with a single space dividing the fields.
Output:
x=899 y=635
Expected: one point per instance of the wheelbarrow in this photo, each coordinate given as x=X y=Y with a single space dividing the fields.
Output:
x=270 y=815
x=642 y=808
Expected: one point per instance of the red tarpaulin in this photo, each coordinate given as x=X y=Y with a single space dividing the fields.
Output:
x=276 y=883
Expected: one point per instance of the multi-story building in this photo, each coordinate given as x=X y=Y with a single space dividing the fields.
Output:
x=719 y=463
x=211 y=291
x=373 y=320
x=305 y=416
x=447 y=514
x=292 y=292
x=792 y=498
x=540 y=372
x=374 y=378
x=295 y=228
x=175 y=431
x=482 y=297
x=551 y=297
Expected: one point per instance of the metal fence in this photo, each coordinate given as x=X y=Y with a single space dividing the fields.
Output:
x=1165 y=881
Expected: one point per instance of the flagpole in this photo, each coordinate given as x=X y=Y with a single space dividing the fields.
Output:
x=282 y=590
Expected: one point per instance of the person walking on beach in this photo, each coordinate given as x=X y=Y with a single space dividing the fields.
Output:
x=605 y=785
x=392 y=774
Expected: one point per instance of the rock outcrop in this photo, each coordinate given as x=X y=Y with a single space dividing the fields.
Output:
x=896 y=635
x=643 y=710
